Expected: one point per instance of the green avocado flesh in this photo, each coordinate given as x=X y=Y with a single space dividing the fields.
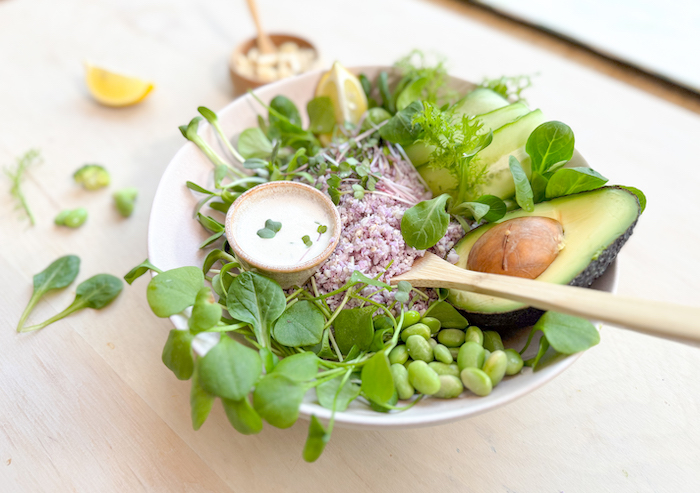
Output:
x=596 y=224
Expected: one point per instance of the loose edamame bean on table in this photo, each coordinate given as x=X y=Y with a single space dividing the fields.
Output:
x=416 y=329
x=419 y=348
x=474 y=334
x=442 y=354
x=477 y=381
x=411 y=317
x=492 y=341
x=515 y=362
x=451 y=337
x=398 y=355
x=443 y=369
x=423 y=378
x=495 y=366
x=71 y=218
x=403 y=387
x=450 y=387
x=433 y=323
x=471 y=355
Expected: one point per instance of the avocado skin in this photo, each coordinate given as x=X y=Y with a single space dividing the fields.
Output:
x=526 y=317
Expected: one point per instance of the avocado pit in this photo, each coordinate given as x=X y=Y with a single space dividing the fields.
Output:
x=520 y=247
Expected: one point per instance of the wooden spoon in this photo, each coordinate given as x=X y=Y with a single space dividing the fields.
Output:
x=265 y=44
x=660 y=319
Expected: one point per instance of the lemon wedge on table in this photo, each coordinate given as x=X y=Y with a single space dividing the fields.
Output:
x=113 y=89
x=345 y=92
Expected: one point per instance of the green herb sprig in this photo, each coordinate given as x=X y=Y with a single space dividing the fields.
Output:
x=16 y=176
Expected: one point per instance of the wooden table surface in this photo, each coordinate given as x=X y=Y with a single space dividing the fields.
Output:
x=86 y=405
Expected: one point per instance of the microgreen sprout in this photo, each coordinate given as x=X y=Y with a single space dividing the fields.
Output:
x=322 y=229
x=92 y=177
x=213 y=120
x=30 y=157
x=307 y=241
x=189 y=131
x=270 y=230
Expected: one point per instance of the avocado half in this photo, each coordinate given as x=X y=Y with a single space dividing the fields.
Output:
x=596 y=224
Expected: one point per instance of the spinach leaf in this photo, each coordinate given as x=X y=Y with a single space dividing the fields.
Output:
x=327 y=391
x=140 y=270
x=523 y=190
x=300 y=367
x=96 y=293
x=323 y=349
x=174 y=290
x=640 y=196
x=256 y=300
x=538 y=183
x=253 y=143
x=567 y=181
x=300 y=325
x=59 y=274
x=229 y=369
x=551 y=145
x=377 y=382
x=354 y=327
x=206 y=312
x=412 y=92
x=277 y=399
x=567 y=334
x=400 y=129
x=316 y=440
x=286 y=108
x=477 y=209
x=177 y=354
x=201 y=401
x=497 y=208
x=242 y=416
x=321 y=115
x=425 y=223
x=447 y=314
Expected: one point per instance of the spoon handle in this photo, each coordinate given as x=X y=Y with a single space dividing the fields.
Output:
x=265 y=44
x=657 y=318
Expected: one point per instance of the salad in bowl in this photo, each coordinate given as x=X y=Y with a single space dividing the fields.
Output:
x=411 y=161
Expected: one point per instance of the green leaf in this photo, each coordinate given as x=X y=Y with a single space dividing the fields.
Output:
x=640 y=196
x=523 y=190
x=550 y=146
x=323 y=349
x=425 y=223
x=277 y=399
x=300 y=367
x=253 y=143
x=538 y=183
x=400 y=128
x=197 y=188
x=177 y=354
x=354 y=327
x=59 y=274
x=300 y=325
x=285 y=107
x=477 y=209
x=567 y=181
x=567 y=334
x=206 y=312
x=140 y=270
x=201 y=401
x=448 y=315
x=385 y=93
x=174 y=290
x=209 y=223
x=377 y=382
x=321 y=115
x=242 y=416
x=315 y=441
x=412 y=92
x=229 y=369
x=256 y=300
x=497 y=208
x=327 y=391
x=359 y=277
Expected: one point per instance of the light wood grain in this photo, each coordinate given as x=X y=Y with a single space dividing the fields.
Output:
x=86 y=404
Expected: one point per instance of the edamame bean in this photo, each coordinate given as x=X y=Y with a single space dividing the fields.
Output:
x=416 y=329
x=398 y=355
x=443 y=369
x=419 y=348
x=433 y=323
x=432 y=343
x=477 y=381
x=474 y=334
x=492 y=341
x=450 y=387
x=471 y=355
x=442 y=354
x=495 y=366
x=72 y=218
x=411 y=317
x=454 y=351
x=487 y=353
x=515 y=362
x=124 y=200
x=451 y=337
x=403 y=387
x=423 y=378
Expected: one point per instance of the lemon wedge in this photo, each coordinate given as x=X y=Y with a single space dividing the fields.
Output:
x=113 y=89
x=346 y=94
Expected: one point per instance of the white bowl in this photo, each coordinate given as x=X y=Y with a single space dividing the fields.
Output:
x=174 y=236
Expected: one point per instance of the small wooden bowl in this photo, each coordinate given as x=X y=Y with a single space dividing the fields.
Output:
x=243 y=83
